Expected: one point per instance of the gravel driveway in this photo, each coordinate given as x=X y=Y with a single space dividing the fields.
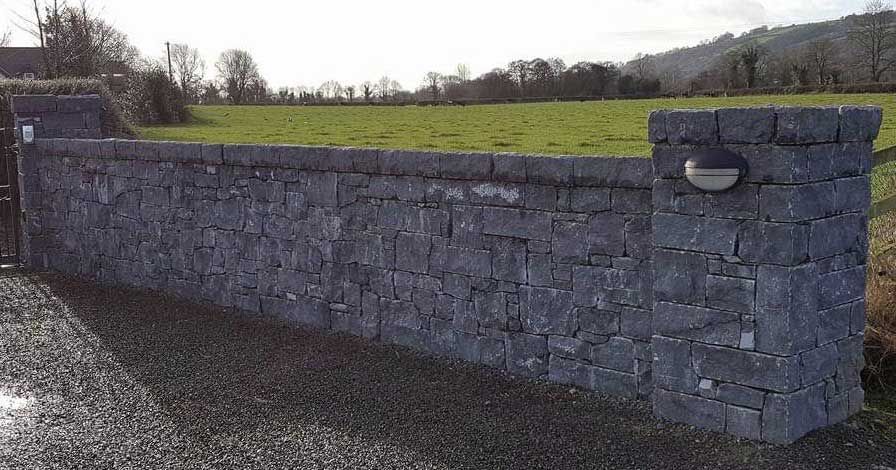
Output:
x=97 y=377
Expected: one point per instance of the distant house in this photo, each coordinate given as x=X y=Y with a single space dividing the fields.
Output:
x=25 y=63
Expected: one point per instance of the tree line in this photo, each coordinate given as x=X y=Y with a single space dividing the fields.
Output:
x=76 y=42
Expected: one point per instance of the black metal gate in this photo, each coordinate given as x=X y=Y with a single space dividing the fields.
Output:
x=10 y=233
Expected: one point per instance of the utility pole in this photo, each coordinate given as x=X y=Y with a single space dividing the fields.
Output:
x=170 y=73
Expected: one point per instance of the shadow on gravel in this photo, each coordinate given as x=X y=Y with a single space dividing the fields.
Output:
x=231 y=381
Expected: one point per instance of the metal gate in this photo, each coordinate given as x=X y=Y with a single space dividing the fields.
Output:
x=10 y=233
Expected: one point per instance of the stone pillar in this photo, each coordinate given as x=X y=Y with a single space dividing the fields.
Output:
x=52 y=116
x=759 y=290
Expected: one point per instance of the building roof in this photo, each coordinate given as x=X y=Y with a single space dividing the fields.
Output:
x=14 y=61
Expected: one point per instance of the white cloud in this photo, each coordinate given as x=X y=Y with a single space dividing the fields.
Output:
x=353 y=40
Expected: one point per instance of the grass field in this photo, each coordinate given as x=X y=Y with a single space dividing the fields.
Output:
x=589 y=128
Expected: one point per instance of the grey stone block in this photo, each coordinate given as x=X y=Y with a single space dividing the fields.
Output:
x=838 y=235
x=589 y=200
x=598 y=321
x=634 y=323
x=819 y=364
x=639 y=237
x=746 y=125
x=840 y=287
x=414 y=253
x=618 y=286
x=787 y=417
x=857 y=317
x=33 y=104
x=632 y=201
x=541 y=197
x=491 y=309
x=833 y=324
x=617 y=354
x=570 y=348
x=773 y=243
x=517 y=223
x=708 y=235
x=697 y=323
x=656 y=126
x=547 y=311
x=672 y=369
x=78 y=103
x=805 y=125
x=774 y=163
x=797 y=203
x=740 y=202
x=467 y=261
x=625 y=172
x=509 y=167
x=669 y=160
x=466 y=166
x=250 y=155
x=606 y=234
x=786 y=309
x=743 y=422
x=779 y=374
x=410 y=163
x=568 y=371
x=509 y=261
x=853 y=194
x=859 y=123
x=570 y=243
x=550 y=170
x=732 y=294
x=692 y=127
x=527 y=355
x=741 y=396
x=613 y=382
x=679 y=277
x=689 y=409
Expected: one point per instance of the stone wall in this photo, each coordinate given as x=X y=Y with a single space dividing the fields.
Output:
x=60 y=116
x=543 y=266
x=759 y=313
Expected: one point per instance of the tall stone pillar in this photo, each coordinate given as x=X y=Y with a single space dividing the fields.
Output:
x=759 y=290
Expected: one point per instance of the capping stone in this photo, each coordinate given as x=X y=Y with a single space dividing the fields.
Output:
x=33 y=104
x=806 y=125
x=656 y=126
x=692 y=127
x=78 y=103
x=859 y=123
x=626 y=172
x=746 y=125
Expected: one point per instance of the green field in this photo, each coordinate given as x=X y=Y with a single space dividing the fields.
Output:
x=589 y=128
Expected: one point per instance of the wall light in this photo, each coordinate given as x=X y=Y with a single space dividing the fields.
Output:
x=715 y=170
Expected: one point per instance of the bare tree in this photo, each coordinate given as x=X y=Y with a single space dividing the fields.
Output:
x=463 y=73
x=189 y=69
x=382 y=86
x=350 y=91
x=5 y=38
x=820 y=53
x=237 y=70
x=875 y=36
x=394 y=88
x=643 y=66
x=367 y=90
x=433 y=84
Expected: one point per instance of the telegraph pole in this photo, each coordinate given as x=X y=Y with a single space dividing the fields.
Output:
x=170 y=74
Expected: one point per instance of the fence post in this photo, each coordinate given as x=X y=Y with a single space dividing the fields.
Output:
x=759 y=290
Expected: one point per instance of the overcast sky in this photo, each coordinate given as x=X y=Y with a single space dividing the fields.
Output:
x=305 y=43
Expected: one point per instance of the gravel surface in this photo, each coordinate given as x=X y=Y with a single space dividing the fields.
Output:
x=97 y=377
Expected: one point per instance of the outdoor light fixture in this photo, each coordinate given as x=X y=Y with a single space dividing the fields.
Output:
x=715 y=170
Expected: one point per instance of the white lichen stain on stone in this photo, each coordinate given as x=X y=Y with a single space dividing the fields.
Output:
x=510 y=195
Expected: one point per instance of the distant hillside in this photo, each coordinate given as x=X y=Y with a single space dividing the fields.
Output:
x=679 y=66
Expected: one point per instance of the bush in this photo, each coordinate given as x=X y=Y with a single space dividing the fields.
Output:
x=152 y=98
x=880 y=332
x=114 y=121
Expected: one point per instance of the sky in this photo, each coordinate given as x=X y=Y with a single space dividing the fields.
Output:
x=350 y=41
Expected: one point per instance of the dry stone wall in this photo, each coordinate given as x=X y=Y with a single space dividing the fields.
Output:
x=739 y=312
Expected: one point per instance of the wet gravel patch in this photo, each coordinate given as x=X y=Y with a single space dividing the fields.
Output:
x=99 y=377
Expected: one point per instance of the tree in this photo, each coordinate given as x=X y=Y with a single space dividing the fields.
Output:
x=643 y=66
x=5 y=38
x=189 y=69
x=875 y=36
x=750 y=55
x=820 y=53
x=78 y=43
x=463 y=73
x=350 y=91
x=432 y=82
x=382 y=86
x=151 y=97
x=367 y=90
x=237 y=70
